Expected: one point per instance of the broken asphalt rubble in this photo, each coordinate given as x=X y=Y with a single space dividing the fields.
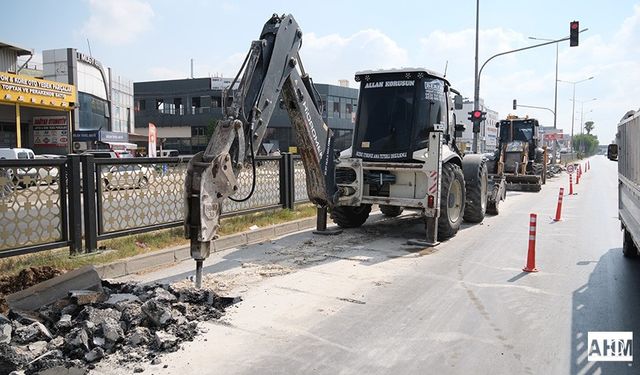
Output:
x=136 y=322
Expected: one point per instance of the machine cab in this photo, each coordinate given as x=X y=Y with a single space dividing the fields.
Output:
x=516 y=131
x=397 y=109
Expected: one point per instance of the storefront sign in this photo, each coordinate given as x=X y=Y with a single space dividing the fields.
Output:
x=50 y=131
x=99 y=135
x=85 y=135
x=88 y=59
x=19 y=89
x=106 y=136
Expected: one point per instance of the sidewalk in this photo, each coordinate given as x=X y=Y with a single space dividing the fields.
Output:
x=177 y=254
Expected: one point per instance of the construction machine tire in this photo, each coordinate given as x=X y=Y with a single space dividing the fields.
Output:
x=350 y=216
x=629 y=248
x=476 y=195
x=390 y=211
x=493 y=208
x=452 y=200
x=539 y=170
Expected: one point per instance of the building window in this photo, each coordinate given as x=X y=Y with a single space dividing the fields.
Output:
x=141 y=105
x=179 y=108
x=216 y=101
x=93 y=112
x=160 y=105
x=195 y=105
x=197 y=131
x=129 y=127
x=336 y=109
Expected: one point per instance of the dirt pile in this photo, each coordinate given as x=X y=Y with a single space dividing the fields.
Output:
x=138 y=322
x=24 y=279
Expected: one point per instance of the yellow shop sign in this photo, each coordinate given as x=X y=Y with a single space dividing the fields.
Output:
x=29 y=91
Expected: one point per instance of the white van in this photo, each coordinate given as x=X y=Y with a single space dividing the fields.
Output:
x=18 y=174
x=16 y=153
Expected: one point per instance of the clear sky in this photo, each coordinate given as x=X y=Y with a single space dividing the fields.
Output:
x=149 y=40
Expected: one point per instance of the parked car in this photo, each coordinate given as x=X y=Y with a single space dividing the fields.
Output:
x=107 y=154
x=121 y=176
x=43 y=173
x=126 y=176
x=167 y=153
x=16 y=153
x=20 y=176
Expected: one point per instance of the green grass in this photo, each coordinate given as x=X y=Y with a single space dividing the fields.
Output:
x=125 y=247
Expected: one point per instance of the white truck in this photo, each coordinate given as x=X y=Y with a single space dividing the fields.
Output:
x=627 y=153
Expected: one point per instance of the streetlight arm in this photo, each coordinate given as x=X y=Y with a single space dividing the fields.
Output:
x=517 y=50
x=533 y=106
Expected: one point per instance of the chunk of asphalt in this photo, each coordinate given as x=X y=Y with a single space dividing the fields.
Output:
x=163 y=295
x=158 y=312
x=64 y=322
x=94 y=355
x=77 y=338
x=164 y=340
x=98 y=316
x=35 y=331
x=85 y=297
x=5 y=333
x=139 y=336
x=112 y=331
x=115 y=299
x=98 y=341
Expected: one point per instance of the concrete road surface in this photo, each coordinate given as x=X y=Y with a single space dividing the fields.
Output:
x=364 y=302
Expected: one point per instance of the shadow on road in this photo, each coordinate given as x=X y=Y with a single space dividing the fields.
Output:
x=610 y=301
x=518 y=277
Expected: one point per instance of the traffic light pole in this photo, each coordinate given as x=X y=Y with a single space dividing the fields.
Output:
x=476 y=91
x=536 y=107
x=476 y=96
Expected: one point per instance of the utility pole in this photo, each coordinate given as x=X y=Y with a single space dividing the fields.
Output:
x=476 y=93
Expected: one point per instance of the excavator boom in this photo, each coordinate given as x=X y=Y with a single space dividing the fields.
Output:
x=269 y=73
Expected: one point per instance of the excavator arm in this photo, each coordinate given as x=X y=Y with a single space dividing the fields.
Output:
x=269 y=72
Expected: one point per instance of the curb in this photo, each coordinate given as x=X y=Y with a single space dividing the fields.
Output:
x=177 y=254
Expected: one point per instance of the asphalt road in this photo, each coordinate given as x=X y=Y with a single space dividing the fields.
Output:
x=364 y=302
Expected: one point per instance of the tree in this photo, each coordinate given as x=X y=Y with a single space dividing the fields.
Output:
x=585 y=144
x=588 y=126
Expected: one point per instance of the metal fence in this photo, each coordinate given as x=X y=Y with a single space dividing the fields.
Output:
x=79 y=200
x=33 y=205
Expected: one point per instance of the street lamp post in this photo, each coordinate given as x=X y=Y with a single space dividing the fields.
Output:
x=582 y=111
x=582 y=118
x=555 y=92
x=476 y=84
x=573 y=109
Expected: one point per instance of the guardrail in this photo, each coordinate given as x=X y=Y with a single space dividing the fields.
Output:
x=80 y=200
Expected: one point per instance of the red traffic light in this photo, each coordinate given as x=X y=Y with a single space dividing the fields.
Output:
x=476 y=115
x=574 y=33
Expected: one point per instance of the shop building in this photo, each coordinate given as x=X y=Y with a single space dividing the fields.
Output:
x=103 y=115
x=34 y=113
